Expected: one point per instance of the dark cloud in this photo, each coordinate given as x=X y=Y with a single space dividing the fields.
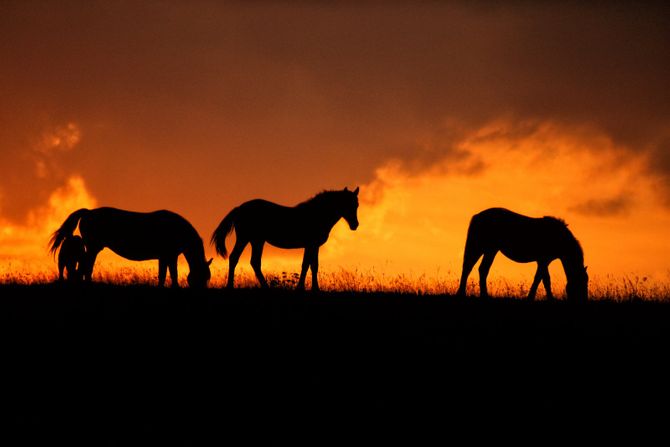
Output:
x=605 y=207
x=659 y=165
x=201 y=98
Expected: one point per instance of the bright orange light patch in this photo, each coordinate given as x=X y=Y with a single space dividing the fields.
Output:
x=417 y=224
x=23 y=248
x=413 y=225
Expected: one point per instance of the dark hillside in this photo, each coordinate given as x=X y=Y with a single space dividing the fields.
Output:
x=142 y=365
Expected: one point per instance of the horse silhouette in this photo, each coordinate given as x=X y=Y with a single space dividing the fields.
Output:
x=70 y=257
x=306 y=225
x=524 y=239
x=161 y=235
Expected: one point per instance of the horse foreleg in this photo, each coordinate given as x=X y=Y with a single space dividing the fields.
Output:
x=539 y=275
x=256 y=253
x=303 y=270
x=315 y=270
x=546 y=280
x=174 y=276
x=162 y=272
x=484 y=268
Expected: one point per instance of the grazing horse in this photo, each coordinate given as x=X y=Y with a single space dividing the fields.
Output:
x=524 y=239
x=70 y=257
x=161 y=235
x=306 y=225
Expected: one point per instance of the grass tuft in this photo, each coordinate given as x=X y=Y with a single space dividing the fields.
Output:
x=611 y=288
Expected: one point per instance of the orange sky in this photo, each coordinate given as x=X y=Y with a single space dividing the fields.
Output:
x=436 y=110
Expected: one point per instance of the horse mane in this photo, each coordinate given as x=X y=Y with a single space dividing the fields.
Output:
x=319 y=199
x=556 y=219
x=575 y=244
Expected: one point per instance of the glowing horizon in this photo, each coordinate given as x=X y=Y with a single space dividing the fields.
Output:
x=414 y=224
x=435 y=114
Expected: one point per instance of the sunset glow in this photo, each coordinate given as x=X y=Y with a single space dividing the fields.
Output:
x=456 y=110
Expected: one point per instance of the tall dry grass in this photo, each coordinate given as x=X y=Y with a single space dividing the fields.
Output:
x=610 y=287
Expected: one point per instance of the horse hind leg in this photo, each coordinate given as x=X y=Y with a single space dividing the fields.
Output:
x=484 y=269
x=61 y=269
x=471 y=255
x=234 y=258
x=256 y=253
x=71 y=268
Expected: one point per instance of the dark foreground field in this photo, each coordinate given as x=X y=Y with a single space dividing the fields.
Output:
x=107 y=365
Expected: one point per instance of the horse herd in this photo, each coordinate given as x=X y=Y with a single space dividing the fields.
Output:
x=164 y=235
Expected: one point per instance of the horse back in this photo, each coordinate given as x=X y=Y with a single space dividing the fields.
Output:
x=279 y=225
x=137 y=235
x=162 y=220
x=521 y=238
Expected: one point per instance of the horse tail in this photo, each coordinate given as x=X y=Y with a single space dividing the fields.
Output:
x=222 y=231
x=65 y=230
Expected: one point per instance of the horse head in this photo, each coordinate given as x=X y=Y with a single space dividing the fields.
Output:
x=350 y=207
x=577 y=287
x=198 y=277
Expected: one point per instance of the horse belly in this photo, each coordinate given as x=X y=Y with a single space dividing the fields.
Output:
x=142 y=250
x=519 y=256
x=289 y=237
x=297 y=240
x=287 y=242
x=526 y=253
x=135 y=254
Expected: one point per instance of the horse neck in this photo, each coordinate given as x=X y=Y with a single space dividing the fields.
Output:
x=325 y=212
x=195 y=252
x=573 y=258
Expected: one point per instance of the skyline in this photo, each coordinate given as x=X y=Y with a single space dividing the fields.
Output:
x=436 y=111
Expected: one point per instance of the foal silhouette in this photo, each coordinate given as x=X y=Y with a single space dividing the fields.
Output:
x=70 y=257
x=524 y=239
x=306 y=225
x=161 y=235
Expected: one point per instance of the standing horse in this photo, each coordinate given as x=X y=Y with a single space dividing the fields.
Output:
x=524 y=239
x=161 y=235
x=306 y=225
x=70 y=258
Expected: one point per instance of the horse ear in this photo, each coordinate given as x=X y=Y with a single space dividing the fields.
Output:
x=346 y=188
x=210 y=261
x=356 y=190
